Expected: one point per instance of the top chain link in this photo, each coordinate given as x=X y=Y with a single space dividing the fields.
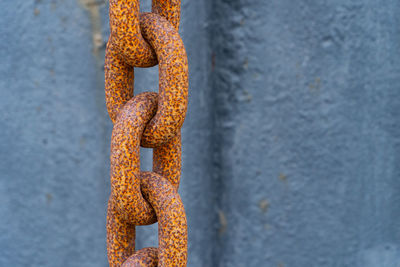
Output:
x=151 y=120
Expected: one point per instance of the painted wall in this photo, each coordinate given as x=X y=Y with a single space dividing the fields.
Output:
x=308 y=132
x=291 y=143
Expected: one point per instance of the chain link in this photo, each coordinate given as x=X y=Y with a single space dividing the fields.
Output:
x=150 y=120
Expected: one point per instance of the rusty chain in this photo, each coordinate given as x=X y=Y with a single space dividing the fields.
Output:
x=151 y=120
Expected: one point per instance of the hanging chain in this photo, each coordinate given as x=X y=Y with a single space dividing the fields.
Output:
x=150 y=120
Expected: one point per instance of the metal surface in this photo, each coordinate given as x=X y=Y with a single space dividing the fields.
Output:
x=151 y=120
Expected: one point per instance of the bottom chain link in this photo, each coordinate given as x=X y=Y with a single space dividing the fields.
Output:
x=141 y=198
x=172 y=226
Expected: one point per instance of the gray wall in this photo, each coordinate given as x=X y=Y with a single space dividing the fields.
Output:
x=291 y=145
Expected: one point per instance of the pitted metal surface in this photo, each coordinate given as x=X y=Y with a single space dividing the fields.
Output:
x=151 y=120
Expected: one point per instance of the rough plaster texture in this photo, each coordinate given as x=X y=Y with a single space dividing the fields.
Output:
x=53 y=131
x=291 y=142
x=307 y=132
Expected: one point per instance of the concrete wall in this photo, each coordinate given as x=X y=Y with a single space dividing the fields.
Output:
x=291 y=145
x=308 y=132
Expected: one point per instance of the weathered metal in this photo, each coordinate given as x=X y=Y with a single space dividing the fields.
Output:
x=151 y=120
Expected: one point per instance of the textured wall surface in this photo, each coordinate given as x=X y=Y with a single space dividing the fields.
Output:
x=53 y=160
x=291 y=145
x=308 y=132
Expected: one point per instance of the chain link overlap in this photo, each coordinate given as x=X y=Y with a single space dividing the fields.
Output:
x=151 y=120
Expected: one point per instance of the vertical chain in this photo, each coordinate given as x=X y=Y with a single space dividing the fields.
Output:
x=151 y=120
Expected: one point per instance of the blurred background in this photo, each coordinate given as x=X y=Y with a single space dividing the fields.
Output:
x=291 y=144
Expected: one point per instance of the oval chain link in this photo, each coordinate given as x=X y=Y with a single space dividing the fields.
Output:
x=150 y=120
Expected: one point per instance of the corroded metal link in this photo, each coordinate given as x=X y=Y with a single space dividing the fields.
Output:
x=125 y=159
x=146 y=257
x=169 y=9
x=151 y=120
x=125 y=29
x=127 y=207
x=172 y=225
x=126 y=47
x=126 y=197
x=173 y=80
x=173 y=75
x=126 y=36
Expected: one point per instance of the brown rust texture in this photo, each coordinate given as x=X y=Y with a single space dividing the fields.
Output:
x=150 y=120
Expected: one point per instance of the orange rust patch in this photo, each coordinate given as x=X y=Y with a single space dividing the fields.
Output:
x=151 y=120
